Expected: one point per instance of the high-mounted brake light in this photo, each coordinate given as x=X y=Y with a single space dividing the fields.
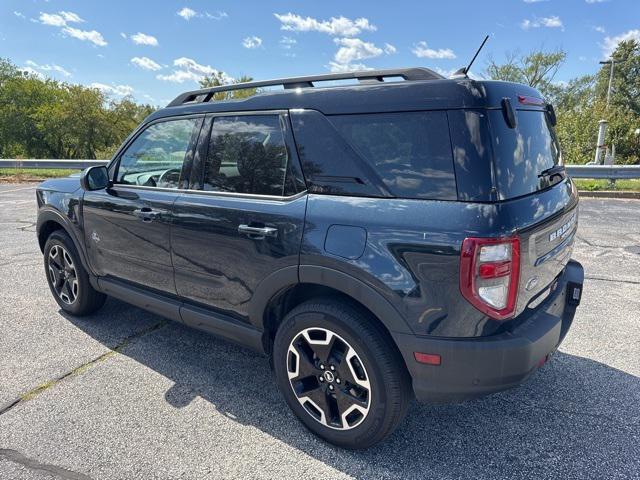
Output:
x=489 y=274
x=525 y=100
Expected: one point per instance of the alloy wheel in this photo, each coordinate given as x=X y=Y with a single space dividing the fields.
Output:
x=63 y=274
x=329 y=378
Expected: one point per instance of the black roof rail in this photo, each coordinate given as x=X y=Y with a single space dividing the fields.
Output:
x=364 y=76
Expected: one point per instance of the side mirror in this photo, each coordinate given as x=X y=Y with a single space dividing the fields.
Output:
x=95 y=178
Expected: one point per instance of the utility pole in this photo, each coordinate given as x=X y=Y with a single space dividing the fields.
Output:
x=602 y=124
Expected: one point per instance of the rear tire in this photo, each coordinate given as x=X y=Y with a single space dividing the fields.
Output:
x=340 y=374
x=67 y=278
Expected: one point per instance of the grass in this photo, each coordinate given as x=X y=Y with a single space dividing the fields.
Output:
x=596 y=185
x=32 y=174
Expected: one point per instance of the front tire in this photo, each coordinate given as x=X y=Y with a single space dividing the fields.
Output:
x=340 y=374
x=67 y=278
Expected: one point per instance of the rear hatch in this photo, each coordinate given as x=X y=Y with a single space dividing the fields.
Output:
x=535 y=193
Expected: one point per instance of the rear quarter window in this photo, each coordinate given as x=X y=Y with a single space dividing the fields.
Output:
x=521 y=154
x=409 y=151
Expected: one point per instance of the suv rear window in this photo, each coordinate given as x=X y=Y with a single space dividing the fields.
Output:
x=521 y=154
x=410 y=151
x=247 y=154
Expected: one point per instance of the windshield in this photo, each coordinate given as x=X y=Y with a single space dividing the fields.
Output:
x=523 y=153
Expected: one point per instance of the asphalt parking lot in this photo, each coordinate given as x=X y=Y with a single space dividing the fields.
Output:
x=126 y=394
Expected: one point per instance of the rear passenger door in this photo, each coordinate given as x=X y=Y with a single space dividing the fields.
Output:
x=242 y=219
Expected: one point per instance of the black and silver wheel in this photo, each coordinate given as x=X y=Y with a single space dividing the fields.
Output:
x=67 y=278
x=329 y=378
x=62 y=274
x=340 y=373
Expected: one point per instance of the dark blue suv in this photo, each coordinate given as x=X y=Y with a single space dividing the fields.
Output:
x=379 y=235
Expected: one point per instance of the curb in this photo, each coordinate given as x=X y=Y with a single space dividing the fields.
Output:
x=609 y=194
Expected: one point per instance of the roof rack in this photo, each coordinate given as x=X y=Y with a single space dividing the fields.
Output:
x=365 y=76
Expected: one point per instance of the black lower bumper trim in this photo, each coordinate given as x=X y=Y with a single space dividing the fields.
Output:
x=476 y=367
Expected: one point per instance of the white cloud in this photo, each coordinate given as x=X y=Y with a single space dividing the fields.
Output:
x=48 y=68
x=534 y=1
x=549 y=22
x=446 y=73
x=389 y=49
x=19 y=14
x=85 y=35
x=252 y=42
x=59 y=19
x=595 y=1
x=599 y=29
x=144 y=39
x=118 y=90
x=421 y=50
x=52 y=19
x=216 y=16
x=187 y=13
x=336 y=67
x=71 y=17
x=190 y=70
x=287 y=42
x=146 y=63
x=123 y=35
x=337 y=26
x=353 y=49
x=610 y=43
x=62 y=19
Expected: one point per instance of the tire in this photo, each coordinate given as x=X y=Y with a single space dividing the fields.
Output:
x=67 y=278
x=361 y=356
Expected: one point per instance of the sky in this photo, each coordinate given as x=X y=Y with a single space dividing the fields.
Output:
x=155 y=50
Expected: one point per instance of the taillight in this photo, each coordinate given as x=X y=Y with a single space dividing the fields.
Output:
x=489 y=274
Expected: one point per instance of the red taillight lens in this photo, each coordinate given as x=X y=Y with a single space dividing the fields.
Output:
x=489 y=274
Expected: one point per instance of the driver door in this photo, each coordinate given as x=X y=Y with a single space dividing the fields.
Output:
x=127 y=226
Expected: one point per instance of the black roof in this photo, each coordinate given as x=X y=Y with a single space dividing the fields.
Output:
x=421 y=89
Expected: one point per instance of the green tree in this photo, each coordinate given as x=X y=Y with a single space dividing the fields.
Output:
x=217 y=80
x=537 y=69
x=44 y=118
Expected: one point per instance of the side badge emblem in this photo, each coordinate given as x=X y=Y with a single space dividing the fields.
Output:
x=95 y=237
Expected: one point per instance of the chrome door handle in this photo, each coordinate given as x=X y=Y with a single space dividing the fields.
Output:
x=258 y=231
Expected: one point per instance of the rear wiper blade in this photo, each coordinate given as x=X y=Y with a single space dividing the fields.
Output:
x=551 y=172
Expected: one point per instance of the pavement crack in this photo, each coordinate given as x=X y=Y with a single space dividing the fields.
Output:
x=616 y=280
x=32 y=464
x=82 y=368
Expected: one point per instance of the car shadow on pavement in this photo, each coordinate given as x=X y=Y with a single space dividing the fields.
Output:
x=574 y=418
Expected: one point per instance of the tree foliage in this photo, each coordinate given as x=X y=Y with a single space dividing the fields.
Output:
x=217 y=80
x=537 y=69
x=44 y=118
x=581 y=102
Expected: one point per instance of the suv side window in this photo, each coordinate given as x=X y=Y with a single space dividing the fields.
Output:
x=161 y=155
x=247 y=154
x=410 y=151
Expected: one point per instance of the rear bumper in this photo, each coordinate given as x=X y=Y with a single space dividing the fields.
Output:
x=475 y=367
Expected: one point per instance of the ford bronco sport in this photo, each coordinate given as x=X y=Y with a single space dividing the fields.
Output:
x=397 y=235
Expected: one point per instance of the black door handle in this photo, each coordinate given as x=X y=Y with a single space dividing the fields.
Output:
x=258 y=232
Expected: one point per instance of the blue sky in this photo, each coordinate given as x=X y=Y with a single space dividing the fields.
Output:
x=155 y=50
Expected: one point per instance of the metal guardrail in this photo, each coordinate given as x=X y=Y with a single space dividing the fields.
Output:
x=50 y=163
x=608 y=172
